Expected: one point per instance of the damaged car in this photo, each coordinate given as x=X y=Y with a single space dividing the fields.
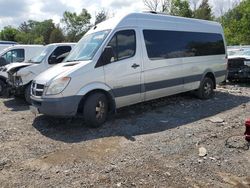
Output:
x=239 y=65
x=20 y=76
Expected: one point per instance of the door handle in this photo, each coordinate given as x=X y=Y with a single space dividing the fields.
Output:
x=135 y=66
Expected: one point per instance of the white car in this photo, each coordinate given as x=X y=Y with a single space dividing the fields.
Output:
x=130 y=59
x=16 y=54
x=20 y=76
x=239 y=65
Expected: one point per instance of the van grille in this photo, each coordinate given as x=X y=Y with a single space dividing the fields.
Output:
x=37 y=89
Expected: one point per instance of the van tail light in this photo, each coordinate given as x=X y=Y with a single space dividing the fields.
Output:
x=247 y=133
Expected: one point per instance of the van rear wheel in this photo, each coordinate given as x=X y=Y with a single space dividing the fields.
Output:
x=206 y=90
x=95 y=110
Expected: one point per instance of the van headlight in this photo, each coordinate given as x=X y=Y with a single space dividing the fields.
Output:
x=57 y=86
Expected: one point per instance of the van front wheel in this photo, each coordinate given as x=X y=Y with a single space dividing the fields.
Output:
x=27 y=94
x=95 y=110
x=206 y=90
x=2 y=86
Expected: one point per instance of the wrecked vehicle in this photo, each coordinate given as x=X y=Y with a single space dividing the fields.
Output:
x=239 y=65
x=21 y=75
x=16 y=54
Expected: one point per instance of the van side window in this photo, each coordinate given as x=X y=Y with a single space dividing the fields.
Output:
x=59 y=54
x=123 y=44
x=16 y=55
x=174 y=44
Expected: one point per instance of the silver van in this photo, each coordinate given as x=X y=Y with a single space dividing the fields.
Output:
x=130 y=59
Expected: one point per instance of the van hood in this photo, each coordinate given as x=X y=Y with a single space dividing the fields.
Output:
x=13 y=67
x=56 y=70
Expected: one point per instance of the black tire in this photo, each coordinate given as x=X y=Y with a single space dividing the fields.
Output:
x=27 y=94
x=2 y=86
x=206 y=90
x=95 y=110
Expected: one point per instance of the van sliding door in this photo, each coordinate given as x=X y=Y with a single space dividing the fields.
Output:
x=163 y=71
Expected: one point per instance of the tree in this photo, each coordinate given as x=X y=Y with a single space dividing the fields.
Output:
x=76 y=25
x=56 y=35
x=236 y=24
x=158 y=5
x=44 y=29
x=204 y=11
x=101 y=16
x=9 y=33
x=34 y=32
x=181 y=8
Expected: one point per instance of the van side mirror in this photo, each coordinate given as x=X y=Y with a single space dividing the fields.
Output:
x=3 y=62
x=106 y=57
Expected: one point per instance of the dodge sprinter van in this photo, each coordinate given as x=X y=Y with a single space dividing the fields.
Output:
x=16 y=54
x=131 y=59
x=20 y=76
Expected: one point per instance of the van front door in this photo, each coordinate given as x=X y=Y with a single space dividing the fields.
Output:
x=123 y=74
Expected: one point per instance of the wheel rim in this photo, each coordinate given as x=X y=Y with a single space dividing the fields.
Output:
x=207 y=89
x=100 y=110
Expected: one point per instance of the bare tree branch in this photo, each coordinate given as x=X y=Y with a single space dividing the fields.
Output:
x=158 y=5
x=152 y=4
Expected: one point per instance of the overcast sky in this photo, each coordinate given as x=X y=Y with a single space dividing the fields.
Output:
x=14 y=12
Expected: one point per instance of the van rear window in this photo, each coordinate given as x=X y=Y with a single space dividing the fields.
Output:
x=175 y=44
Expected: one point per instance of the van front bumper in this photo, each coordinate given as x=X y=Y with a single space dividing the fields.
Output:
x=61 y=107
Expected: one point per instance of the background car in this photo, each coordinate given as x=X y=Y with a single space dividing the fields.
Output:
x=239 y=64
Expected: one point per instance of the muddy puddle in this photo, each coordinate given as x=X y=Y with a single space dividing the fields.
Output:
x=96 y=151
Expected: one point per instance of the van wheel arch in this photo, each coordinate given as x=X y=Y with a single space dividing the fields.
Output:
x=110 y=97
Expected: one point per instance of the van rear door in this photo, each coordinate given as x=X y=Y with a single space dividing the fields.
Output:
x=123 y=74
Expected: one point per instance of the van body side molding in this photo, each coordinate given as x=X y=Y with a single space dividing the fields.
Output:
x=135 y=89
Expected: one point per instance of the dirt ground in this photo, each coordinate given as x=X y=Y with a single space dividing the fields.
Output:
x=155 y=144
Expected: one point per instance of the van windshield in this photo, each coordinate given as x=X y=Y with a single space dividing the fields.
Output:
x=43 y=54
x=87 y=46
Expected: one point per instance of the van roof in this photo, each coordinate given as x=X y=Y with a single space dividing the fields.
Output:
x=159 y=20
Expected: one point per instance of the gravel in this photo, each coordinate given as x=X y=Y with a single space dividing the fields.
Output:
x=154 y=144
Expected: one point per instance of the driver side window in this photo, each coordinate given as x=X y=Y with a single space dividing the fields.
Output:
x=59 y=54
x=123 y=44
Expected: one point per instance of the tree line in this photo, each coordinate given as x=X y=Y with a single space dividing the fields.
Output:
x=73 y=26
